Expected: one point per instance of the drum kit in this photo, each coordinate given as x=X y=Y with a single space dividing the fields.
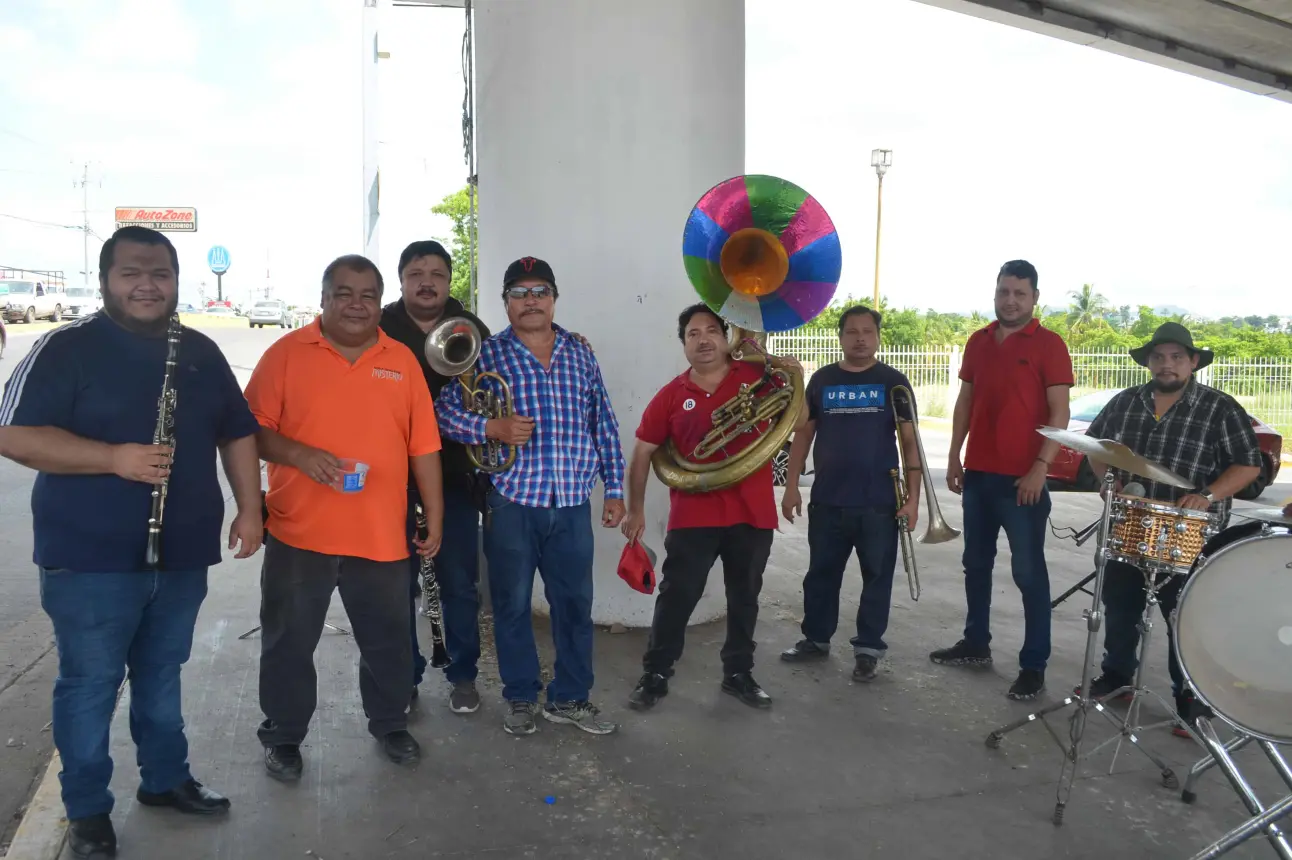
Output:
x=1233 y=635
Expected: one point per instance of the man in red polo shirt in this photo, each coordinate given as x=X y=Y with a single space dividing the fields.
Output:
x=734 y=524
x=1015 y=377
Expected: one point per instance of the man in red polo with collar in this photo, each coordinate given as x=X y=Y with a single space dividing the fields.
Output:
x=1015 y=377
x=734 y=524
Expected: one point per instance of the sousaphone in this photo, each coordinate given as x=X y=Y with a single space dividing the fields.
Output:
x=763 y=254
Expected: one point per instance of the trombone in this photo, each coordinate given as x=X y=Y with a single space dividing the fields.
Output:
x=451 y=349
x=938 y=531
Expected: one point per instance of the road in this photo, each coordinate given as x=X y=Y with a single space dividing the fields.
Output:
x=28 y=663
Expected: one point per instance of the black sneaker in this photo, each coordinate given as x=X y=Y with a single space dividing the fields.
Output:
x=92 y=836
x=650 y=689
x=803 y=651
x=1029 y=684
x=743 y=686
x=962 y=654
x=283 y=762
x=1189 y=709
x=1105 y=684
x=867 y=668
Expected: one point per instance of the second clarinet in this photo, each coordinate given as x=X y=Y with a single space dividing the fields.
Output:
x=432 y=608
x=163 y=434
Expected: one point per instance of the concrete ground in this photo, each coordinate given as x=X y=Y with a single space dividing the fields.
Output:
x=896 y=768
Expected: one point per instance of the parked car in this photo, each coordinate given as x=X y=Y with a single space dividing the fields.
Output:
x=220 y=311
x=269 y=312
x=82 y=302
x=27 y=300
x=4 y=338
x=1071 y=469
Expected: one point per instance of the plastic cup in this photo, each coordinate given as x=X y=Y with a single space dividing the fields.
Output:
x=354 y=473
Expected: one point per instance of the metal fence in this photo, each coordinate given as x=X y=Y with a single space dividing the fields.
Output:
x=1263 y=386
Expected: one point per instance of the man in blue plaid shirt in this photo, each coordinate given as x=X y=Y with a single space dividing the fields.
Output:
x=539 y=515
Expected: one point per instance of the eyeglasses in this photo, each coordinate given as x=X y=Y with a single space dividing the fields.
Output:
x=540 y=291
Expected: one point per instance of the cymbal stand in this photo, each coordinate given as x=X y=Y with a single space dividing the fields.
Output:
x=1263 y=818
x=1081 y=700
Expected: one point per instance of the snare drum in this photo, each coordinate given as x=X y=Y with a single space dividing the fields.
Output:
x=1157 y=537
x=1233 y=633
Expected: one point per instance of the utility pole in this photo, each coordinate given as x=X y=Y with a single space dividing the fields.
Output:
x=85 y=219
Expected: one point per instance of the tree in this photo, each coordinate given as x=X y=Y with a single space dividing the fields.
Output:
x=1087 y=308
x=457 y=208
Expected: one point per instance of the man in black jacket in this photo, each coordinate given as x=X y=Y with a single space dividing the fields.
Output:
x=425 y=270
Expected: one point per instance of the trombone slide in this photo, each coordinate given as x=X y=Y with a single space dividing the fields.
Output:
x=904 y=537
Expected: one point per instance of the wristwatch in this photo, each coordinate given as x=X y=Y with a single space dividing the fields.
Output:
x=1207 y=494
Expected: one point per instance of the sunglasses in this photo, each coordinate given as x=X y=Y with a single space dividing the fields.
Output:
x=541 y=291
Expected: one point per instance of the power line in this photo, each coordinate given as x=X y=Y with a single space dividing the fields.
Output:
x=40 y=223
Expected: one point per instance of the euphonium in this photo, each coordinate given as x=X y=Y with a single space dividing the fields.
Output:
x=764 y=256
x=451 y=349
x=938 y=531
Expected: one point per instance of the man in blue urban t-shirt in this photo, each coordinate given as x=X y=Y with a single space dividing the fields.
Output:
x=81 y=409
x=854 y=503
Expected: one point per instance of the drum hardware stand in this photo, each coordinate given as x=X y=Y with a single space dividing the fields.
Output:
x=1263 y=818
x=340 y=630
x=1080 y=538
x=1072 y=753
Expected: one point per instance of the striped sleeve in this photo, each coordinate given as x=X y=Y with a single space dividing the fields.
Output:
x=41 y=391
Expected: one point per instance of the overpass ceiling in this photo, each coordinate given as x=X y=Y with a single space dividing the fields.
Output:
x=1241 y=43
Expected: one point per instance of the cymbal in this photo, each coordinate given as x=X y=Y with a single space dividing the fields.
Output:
x=1115 y=454
x=1268 y=515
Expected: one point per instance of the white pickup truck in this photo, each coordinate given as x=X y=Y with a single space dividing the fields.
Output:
x=30 y=296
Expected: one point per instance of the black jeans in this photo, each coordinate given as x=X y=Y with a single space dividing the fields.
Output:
x=457 y=570
x=1124 y=601
x=689 y=554
x=296 y=588
x=834 y=533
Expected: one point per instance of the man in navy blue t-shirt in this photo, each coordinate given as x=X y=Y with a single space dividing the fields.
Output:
x=854 y=502
x=81 y=408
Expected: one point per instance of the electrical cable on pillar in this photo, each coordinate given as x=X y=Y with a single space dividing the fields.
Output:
x=469 y=151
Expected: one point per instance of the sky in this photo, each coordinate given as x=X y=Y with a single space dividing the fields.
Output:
x=1156 y=187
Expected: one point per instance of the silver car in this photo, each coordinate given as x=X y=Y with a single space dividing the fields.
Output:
x=269 y=312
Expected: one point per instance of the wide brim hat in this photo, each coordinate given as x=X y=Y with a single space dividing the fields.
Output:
x=1172 y=332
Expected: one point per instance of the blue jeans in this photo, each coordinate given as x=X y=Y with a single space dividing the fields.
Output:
x=834 y=533
x=558 y=543
x=104 y=624
x=457 y=570
x=990 y=504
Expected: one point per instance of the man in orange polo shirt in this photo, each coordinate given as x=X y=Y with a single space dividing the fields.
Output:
x=345 y=416
x=735 y=524
x=1015 y=377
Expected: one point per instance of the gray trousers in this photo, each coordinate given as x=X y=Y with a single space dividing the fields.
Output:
x=296 y=588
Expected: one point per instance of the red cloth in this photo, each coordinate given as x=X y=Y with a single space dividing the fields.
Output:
x=637 y=567
x=682 y=412
x=1010 y=380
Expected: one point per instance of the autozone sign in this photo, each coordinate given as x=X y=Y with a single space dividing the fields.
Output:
x=165 y=220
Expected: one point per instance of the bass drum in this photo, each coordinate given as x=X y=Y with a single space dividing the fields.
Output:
x=1233 y=630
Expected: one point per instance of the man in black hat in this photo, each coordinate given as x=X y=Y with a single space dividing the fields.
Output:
x=1201 y=434
x=565 y=438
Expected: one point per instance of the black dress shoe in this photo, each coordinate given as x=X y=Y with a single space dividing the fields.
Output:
x=743 y=686
x=284 y=762
x=804 y=651
x=92 y=837
x=650 y=689
x=192 y=797
x=401 y=747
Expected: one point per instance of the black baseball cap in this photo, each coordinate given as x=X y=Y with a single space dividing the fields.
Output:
x=528 y=267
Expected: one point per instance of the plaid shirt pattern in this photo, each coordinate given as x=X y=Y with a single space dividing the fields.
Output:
x=576 y=434
x=1203 y=433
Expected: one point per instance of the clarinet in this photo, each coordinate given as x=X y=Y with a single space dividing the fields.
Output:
x=431 y=606
x=163 y=434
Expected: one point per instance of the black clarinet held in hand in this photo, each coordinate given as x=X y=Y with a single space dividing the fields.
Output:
x=431 y=606
x=164 y=434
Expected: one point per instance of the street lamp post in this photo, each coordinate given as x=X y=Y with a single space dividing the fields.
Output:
x=881 y=160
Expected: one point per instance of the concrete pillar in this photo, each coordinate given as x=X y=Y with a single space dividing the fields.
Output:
x=600 y=123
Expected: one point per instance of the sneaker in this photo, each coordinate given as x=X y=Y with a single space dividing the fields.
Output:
x=867 y=668
x=1105 y=684
x=464 y=699
x=583 y=715
x=1188 y=709
x=520 y=718
x=962 y=654
x=1029 y=684
x=803 y=651
x=650 y=689
x=743 y=686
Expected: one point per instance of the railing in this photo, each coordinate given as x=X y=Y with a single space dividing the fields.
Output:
x=1263 y=386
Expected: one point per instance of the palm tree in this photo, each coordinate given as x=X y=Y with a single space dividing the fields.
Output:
x=1087 y=307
